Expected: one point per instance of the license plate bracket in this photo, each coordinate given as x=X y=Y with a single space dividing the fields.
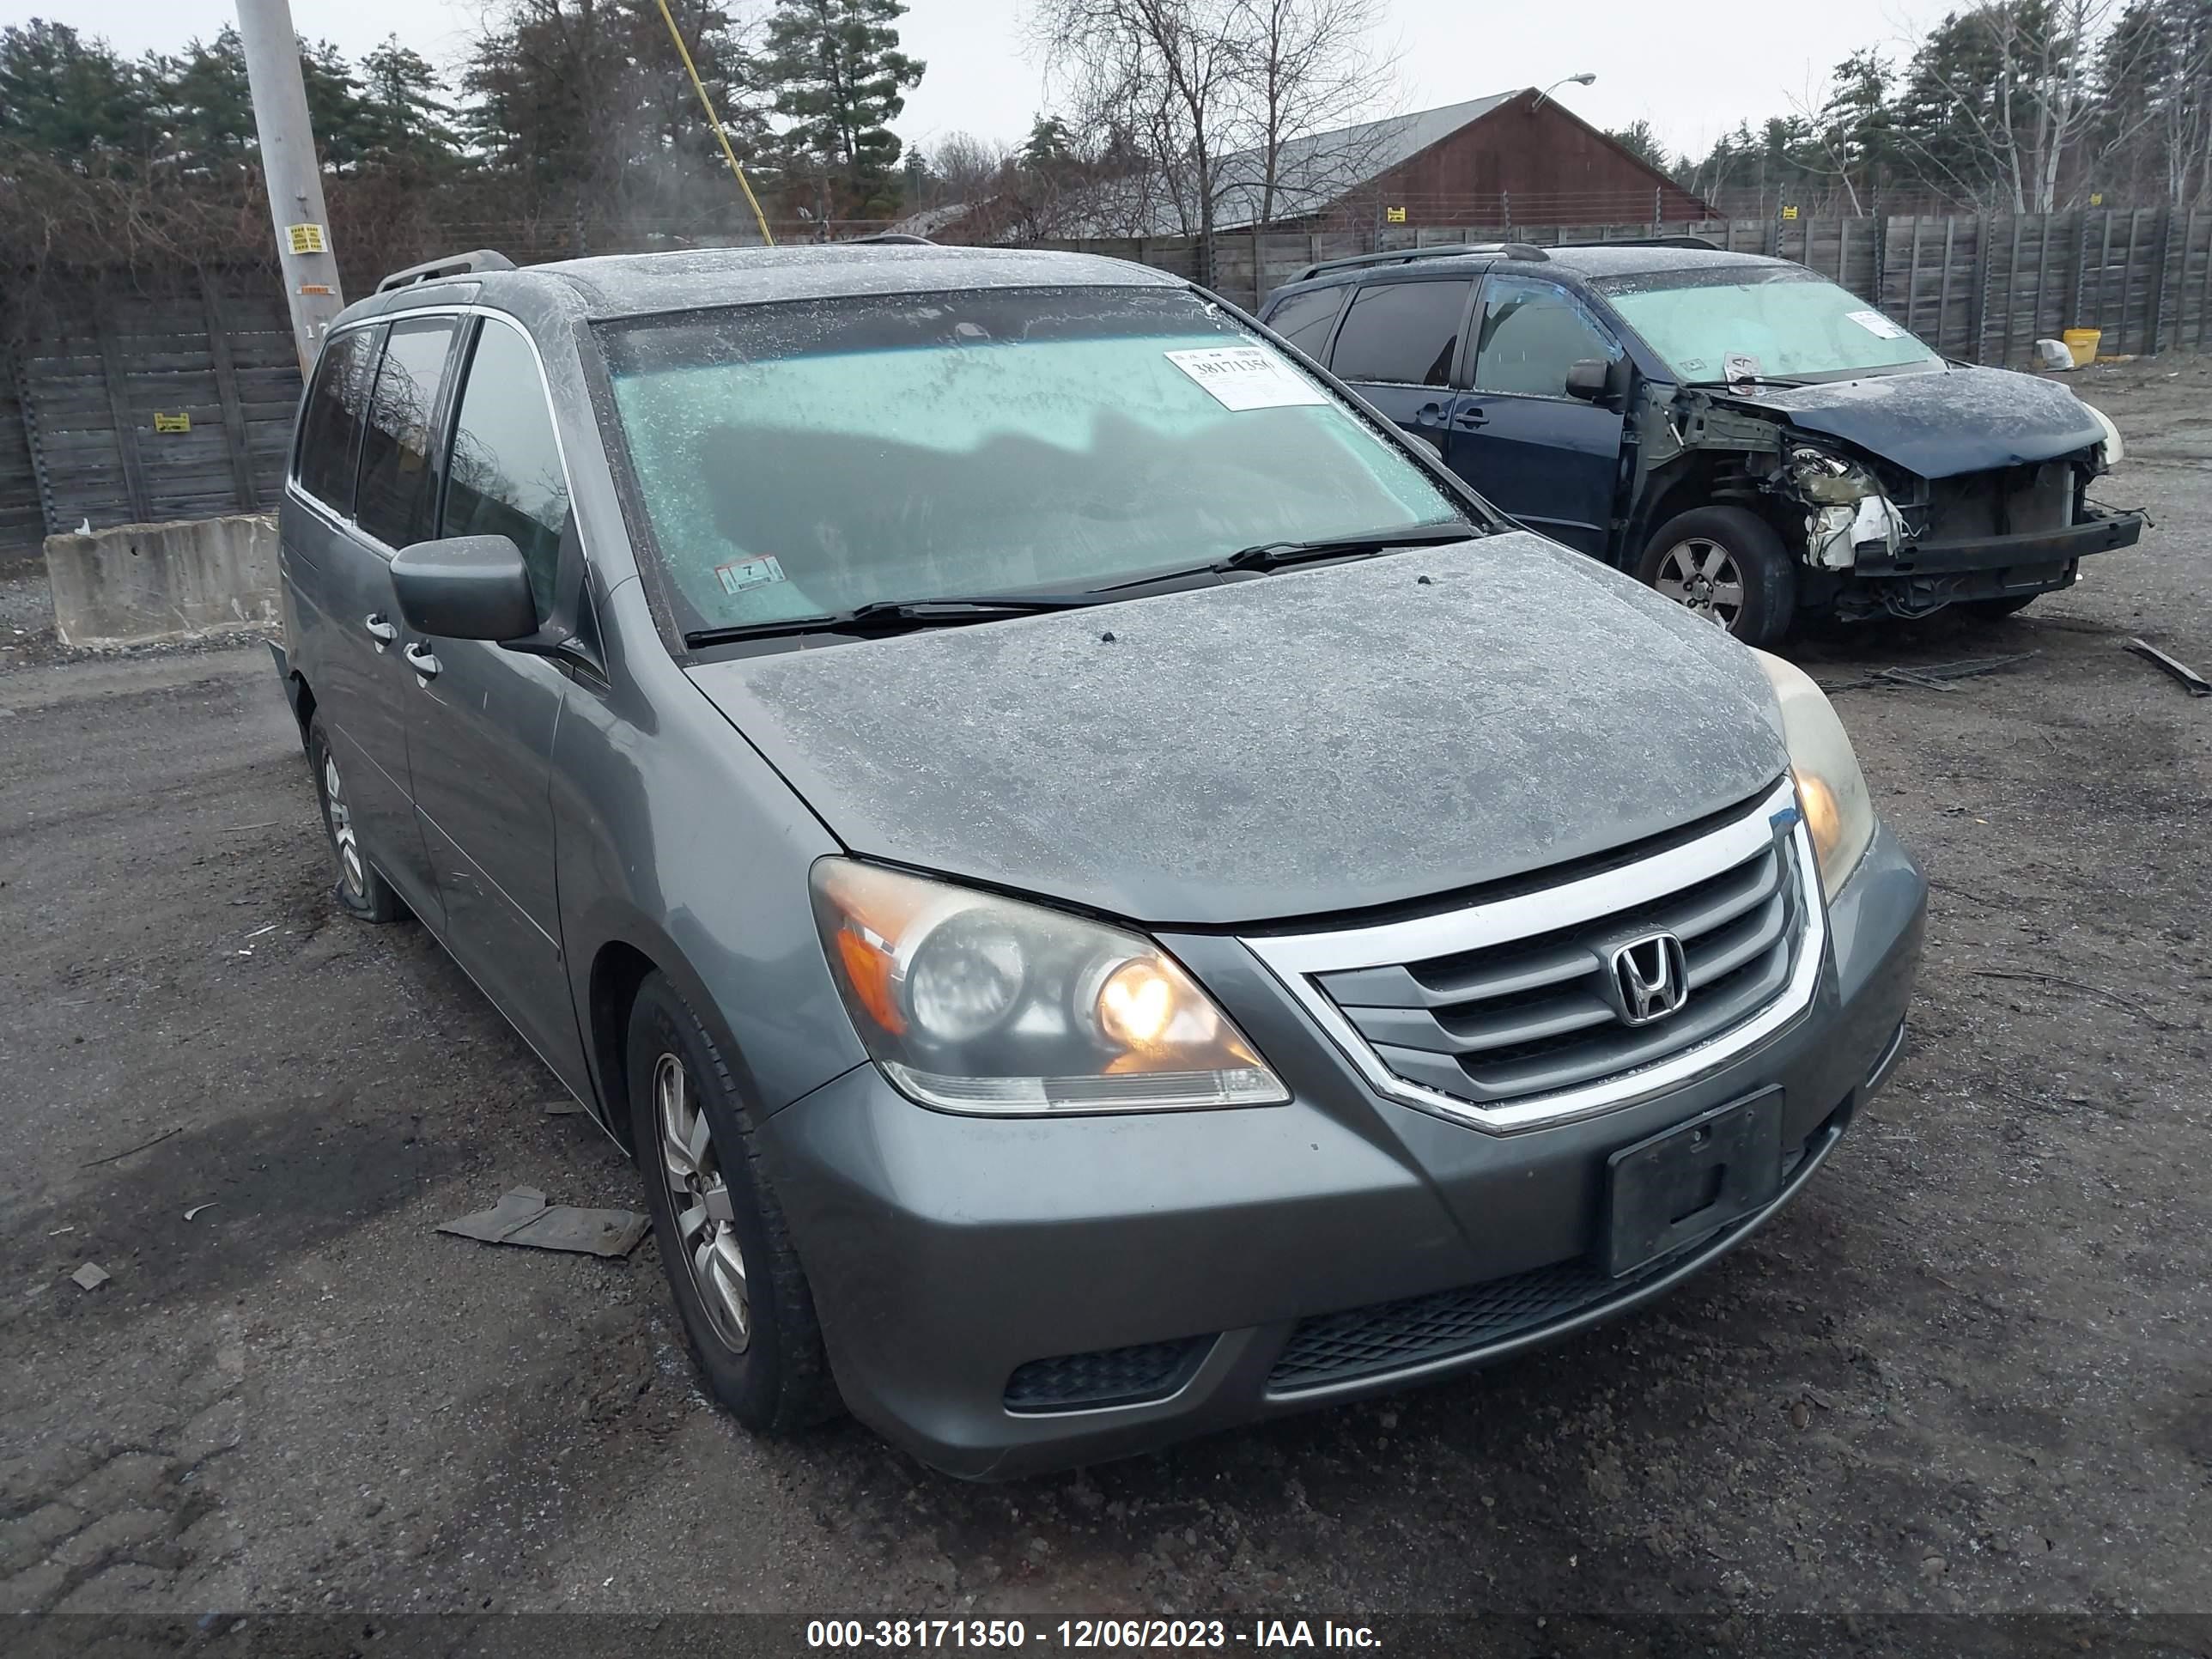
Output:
x=1687 y=1182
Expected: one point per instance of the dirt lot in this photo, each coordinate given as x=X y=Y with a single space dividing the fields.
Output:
x=1966 y=1373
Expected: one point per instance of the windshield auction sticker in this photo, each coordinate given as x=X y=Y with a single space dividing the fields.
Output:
x=746 y=574
x=1246 y=377
x=1876 y=324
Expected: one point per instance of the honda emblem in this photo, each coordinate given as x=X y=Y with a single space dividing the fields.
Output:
x=1650 y=978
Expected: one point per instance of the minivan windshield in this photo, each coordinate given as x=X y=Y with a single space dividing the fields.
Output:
x=1791 y=324
x=803 y=459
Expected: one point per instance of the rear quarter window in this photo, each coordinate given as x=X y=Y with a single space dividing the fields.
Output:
x=329 y=430
x=1305 y=319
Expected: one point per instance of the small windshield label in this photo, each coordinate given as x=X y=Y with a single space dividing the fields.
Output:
x=1246 y=377
x=1876 y=324
x=749 y=573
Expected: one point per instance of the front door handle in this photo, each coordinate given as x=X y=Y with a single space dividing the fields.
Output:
x=1471 y=418
x=426 y=666
x=380 y=630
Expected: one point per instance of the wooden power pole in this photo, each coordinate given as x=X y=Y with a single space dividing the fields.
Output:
x=294 y=177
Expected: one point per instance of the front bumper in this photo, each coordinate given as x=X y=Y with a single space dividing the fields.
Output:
x=1237 y=1257
x=2027 y=562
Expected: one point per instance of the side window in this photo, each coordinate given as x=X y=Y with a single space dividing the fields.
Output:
x=1304 y=320
x=1402 y=332
x=331 y=429
x=1532 y=333
x=394 y=501
x=505 y=477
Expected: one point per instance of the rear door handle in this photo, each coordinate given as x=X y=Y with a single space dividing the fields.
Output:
x=1429 y=415
x=426 y=666
x=1471 y=418
x=380 y=630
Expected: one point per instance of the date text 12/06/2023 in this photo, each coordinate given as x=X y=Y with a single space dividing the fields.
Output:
x=1085 y=1634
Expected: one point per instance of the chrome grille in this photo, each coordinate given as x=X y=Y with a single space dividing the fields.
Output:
x=1533 y=1016
x=1500 y=1012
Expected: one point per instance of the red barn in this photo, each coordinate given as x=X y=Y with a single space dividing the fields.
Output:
x=1512 y=158
x=1515 y=158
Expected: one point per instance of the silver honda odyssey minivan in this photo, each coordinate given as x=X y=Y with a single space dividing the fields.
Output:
x=1107 y=894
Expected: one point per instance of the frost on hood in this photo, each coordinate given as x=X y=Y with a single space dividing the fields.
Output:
x=1314 y=740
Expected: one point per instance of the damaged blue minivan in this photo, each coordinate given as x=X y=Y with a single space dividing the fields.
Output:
x=1739 y=433
x=1107 y=894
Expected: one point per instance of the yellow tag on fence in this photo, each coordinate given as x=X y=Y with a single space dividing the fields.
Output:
x=172 y=422
x=1790 y=213
x=1394 y=216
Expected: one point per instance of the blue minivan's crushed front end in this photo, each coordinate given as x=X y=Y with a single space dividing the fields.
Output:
x=1007 y=1296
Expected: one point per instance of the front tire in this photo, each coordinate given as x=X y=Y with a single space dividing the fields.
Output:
x=723 y=1244
x=360 y=892
x=1727 y=565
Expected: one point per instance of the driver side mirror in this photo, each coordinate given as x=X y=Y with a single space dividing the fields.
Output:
x=1590 y=379
x=465 y=588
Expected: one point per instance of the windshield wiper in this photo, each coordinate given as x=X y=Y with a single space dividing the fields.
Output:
x=1273 y=555
x=891 y=614
x=1746 y=380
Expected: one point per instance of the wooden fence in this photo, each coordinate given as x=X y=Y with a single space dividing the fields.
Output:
x=1977 y=287
x=126 y=400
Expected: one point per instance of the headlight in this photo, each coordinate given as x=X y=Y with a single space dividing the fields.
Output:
x=1831 y=792
x=975 y=1003
x=1827 y=480
x=2115 y=451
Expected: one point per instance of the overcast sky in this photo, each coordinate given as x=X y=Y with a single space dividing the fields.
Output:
x=1694 y=71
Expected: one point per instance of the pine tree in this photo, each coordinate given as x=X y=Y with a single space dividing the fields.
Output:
x=1854 y=122
x=70 y=97
x=409 y=121
x=583 y=109
x=841 y=80
x=1640 y=141
x=205 y=105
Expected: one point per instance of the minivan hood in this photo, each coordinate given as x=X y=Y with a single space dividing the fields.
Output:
x=1941 y=423
x=1313 y=741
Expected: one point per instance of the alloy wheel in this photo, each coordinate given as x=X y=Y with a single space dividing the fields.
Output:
x=699 y=1198
x=1701 y=575
x=351 y=871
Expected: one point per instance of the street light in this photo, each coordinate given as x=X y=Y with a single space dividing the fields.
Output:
x=1581 y=80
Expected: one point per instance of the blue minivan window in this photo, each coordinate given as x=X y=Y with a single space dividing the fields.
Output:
x=798 y=460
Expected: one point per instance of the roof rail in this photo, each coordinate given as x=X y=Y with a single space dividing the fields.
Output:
x=1407 y=255
x=456 y=265
x=904 y=238
x=1709 y=246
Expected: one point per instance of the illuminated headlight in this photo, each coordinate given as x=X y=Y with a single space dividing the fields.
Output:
x=974 y=1003
x=2115 y=451
x=1832 y=791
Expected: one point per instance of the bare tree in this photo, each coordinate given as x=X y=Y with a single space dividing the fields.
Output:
x=1211 y=100
x=1312 y=66
x=2002 y=99
x=970 y=168
x=1167 y=72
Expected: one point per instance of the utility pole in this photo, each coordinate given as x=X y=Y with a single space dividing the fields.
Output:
x=294 y=177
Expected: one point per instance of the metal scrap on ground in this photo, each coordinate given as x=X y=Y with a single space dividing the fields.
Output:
x=523 y=1216
x=2191 y=682
x=91 y=1276
x=1929 y=676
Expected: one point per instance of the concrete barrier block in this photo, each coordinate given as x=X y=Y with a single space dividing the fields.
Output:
x=135 y=583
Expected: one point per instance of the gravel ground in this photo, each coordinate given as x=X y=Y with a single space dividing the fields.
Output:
x=1966 y=1373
